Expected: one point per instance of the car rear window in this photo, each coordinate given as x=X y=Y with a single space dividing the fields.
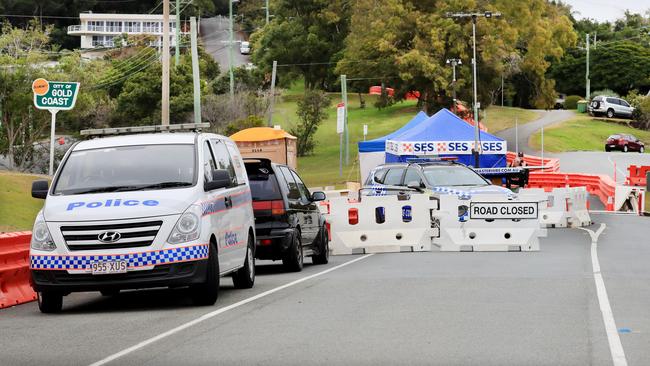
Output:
x=614 y=137
x=263 y=182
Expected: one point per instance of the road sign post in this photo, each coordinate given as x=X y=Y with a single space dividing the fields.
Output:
x=54 y=96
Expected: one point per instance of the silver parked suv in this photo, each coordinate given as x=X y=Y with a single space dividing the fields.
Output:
x=610 y=106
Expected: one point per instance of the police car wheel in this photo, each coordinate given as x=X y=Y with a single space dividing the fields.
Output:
x=293 y=259
x=323 y=256
x=206 y=294
x=50 y=302
x=245 y=276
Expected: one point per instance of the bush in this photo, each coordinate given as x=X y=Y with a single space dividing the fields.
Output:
x=571 y=102
x=641 y=114
x=311 y=111
x=605 y=92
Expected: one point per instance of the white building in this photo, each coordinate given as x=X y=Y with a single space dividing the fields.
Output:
x=98 y=30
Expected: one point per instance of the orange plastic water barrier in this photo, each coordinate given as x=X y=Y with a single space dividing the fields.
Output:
x=601 y=185
x=15 y=287
x=637 y=175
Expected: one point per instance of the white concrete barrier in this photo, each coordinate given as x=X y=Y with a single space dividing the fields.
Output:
x=485 y=234
x=578 y=213
x=382 y=224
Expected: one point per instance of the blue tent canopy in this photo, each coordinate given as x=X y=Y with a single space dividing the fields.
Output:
x=445 y=134
x=379 y=144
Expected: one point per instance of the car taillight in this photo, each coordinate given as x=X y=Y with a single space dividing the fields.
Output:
x=265 y=242
x=276 y=206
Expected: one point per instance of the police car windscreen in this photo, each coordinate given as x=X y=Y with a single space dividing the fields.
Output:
x=455 y=175
x=127 y=168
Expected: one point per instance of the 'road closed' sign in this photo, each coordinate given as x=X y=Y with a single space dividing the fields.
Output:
x=54 y=95
x=503 y=210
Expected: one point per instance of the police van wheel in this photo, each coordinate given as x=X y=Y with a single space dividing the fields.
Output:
x=323 y=256
x=245 y=276
x=206 y=294
x=293 y=259
x=50 y=302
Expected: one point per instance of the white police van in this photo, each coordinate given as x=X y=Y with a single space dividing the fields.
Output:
x=142 y=211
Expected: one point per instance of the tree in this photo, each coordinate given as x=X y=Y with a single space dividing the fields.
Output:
x=311 y=112
x=305 y=35
x=621 y=66
x=405 y=43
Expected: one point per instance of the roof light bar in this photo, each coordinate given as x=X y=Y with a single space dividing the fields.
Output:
x=145 y=129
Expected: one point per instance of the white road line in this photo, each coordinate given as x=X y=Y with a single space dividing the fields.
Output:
x=615 y=346
x=217 y=312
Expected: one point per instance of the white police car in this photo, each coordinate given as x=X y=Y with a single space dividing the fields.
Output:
x=141 y=211
x=444 y=176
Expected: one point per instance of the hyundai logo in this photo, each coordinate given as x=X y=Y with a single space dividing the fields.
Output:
x=109 y=236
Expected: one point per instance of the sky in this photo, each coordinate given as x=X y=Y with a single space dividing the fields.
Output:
x=606 y=10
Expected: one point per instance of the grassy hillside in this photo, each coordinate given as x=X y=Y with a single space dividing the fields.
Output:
x=17 y=207
x=322 y=168
x=583 y=133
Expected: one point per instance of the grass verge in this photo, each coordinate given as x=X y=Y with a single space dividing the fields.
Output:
x=17 y=207
x=583 y=133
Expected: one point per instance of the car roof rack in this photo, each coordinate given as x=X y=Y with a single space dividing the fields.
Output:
x=181 y=127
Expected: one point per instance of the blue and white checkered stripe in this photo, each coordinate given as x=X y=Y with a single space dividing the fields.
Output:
x=81 y=262
x=461 y=194
x=377 y=190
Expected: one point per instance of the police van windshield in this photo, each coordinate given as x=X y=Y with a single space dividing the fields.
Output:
x=453 y=176
x=127 y=168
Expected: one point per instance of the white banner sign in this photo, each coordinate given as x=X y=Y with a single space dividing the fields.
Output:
x=503 y=210
x=340 y=118
x=421 y=148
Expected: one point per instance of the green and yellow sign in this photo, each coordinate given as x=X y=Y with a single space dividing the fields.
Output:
x=55 y=95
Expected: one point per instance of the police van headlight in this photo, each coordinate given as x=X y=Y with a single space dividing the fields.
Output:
x=41 y=238
x=188 y=226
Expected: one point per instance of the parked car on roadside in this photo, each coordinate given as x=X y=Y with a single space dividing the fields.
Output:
x=624 y=143
x=559 y=101
x=245 y=48
x=428 y=175
x=288 y=224
x=610 y=106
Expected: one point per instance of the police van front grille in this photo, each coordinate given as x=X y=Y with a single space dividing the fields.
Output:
x=131 y=235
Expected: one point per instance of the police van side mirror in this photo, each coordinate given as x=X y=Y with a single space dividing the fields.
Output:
x=220 y=179
x=40 y=188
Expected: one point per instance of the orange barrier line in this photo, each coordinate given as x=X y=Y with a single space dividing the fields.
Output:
x=15 y=287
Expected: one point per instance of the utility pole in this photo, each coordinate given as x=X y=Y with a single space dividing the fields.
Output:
x=587 y=81
x=177 y=53
x=196 y=78
x=487 y=14
x=344 y=92
x=267 y=11
x=165 y=64
x=273 y=77
x=230 y=55
x=454 y=62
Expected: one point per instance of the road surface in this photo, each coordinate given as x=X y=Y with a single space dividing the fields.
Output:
x=215 y=38
x=521 y=136
x=436 y=308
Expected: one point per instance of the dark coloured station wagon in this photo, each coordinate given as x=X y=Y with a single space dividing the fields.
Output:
x=288 y=223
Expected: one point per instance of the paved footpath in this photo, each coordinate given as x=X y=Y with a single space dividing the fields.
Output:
x=406 y=308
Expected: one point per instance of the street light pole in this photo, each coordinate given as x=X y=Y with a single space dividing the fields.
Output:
x=165 y=65
x=230 y=55
x=487 y=14
x=454 y=62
